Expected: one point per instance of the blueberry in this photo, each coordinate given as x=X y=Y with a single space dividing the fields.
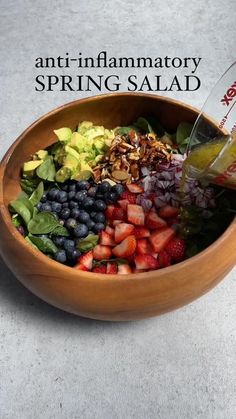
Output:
x=69 y=244
x=56 y=207
x=83 y=217
x=70 y=223
x=65 y=187
x=44 y=198
x=93 y=214
x=82 y=184
x=72 y=187
x=73 y=254
x=65 y=213
x=60 y=256
x=81 y=230
x=58 y=240
x=73 y=204
x=39 y=206
x=65 y=205
x=71 y=195
x=46 y=207
x=118 y=189
x=90 y=224
x=111 y=197
x=104 y=187
x=53 y=194
x=80 y=196
x=62 y=196
x=98 y=227
x=75 y=213
x=100 y=218
x=88 y=203
x=92 y=191
x=100 y=195
x=100 y=205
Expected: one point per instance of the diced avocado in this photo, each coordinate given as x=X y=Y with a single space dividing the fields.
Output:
x=72 y=151
x=98 y=158
x=83 y=126
x=31 y=165
x=94 y=132
x=63 y=174
x=99 y=144
x=77 y=141
x=42 y=154
x=63 y=134
x=71 y=162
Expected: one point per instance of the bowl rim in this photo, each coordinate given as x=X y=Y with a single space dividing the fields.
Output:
x=84 y=275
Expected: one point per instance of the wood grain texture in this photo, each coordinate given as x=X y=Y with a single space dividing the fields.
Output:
x=98 y=296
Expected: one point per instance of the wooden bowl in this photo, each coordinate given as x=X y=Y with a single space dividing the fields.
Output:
x=92 y=295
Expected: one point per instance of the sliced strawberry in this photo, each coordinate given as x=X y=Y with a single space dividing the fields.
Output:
x=144 y=246
x=153 y=221
x=164 y=259
x=176 y=249
x=141 y=232
x=109 y=211
x=122 y=231
x=124 y=269
x=161 y=237
x=126 y=248
x=106 y=239
x=101 y=252
x=129 y=196
x=146 y=262
x=118 y=214
x=109 y=230
x=81 y=267
x=101 y=269
x=135 y=214
x=112 y=268
x=115 y=222
x=123 y=203
x=168 y=211
x=134 y=188
x=87 y=259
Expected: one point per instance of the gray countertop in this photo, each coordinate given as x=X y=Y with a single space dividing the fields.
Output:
x=54 y=365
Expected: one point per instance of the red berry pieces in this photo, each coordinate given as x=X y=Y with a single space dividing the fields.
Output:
x=122 y=231
x=101 y=252
x=126 y=248
x=168 y=211
x=146 y=262
x=87 y=259
x=135 y=214
x=160 y=238
x=130 y=197
x=176 y=249
x=101 y=269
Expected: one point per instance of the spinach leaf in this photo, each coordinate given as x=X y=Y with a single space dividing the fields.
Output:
x=156 y=126
x=16 y=221
x=43 y=223
x=30 y=242
x=23 y=207
x=44 y=244
x=46 y=170
x=104 y=261
x=29 y=185
x=125 y=130
x=60 y=231
x=143 y=124
x=88 y=243
x=37 y=194
x=183 y=132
